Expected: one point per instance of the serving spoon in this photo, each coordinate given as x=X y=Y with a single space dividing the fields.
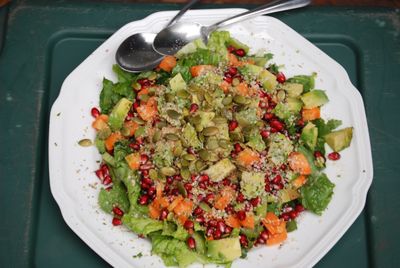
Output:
x=174 y=37
x=136 y=53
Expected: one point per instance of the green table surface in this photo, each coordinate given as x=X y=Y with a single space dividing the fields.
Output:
x=42 y=41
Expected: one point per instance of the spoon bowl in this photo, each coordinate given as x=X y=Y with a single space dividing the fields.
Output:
x=174 y=37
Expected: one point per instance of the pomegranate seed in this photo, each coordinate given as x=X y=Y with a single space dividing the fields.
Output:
x=163 y=214
x=293 y=214
x=197 y=211
x=212 y=223
x=318 y=154
x=170 y=180
x=105 y=169
x=200 y=219
x=177 y=177
x=191 y=243
x=334 y=156
x=263 y=104
x=260 y=240
x=193 y=108
x=277 y=179
x=175 y=191
x=188 y=224
x=276 y=124
x=267 y=188
x=200 y=197
x=209 y=231
x=232 y=71
x=166 y=189
x=233 y=125
x=217 y=234
x=264 y=133
x=243 y=240
x=240 y=52
x=117 y=211
x=237 y=148
x=147 y=180
x=231 y=49
x=255 y=201
x=240 y=198
x=202 y=185
x=134 y=146
x=204 y=178
x=268 y=116
x=95 y=112
x=143 y=199
x=221 y=226
x=280 y=78
x=279 y=186
x=99 y=174
x=209 y=198
x=228 y=79
x=285 y=216
x=151 y=191
x=299 y=208
x=188 y=186
x=300 y=122
x=109 y=188
x=107 y=180
x=235 y=186
x=136 y=105
x=144 y=82
x=229 y=209
x=228 y=229
x=116 y=221
x=264 y=235
x=247 y=207
x=145 y=172
x=144 y=158
x=241 y=215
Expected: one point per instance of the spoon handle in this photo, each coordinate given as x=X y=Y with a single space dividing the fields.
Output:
x=272 y=7
x=180 y=13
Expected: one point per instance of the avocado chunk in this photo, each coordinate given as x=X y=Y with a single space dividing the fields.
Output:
x=118 y=113
x=282 y=111
x=237 y=44
x=220 y=170
x=227 y=249
x=287 y=195
x=309 y=135
x=252 y=184
x=268 y=80
x=177 y=83
x=314 y=99
x=340 y=139
x=308 y=81
x=200 y=243
x=251 y=69
x=293 y=89
x=294 y=104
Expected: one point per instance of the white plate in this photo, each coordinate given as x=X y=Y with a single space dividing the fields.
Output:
x=75 y=187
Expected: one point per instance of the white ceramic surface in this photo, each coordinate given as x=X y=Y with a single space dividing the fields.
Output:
x=75 y=186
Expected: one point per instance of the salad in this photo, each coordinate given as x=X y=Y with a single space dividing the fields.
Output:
x=214 y=152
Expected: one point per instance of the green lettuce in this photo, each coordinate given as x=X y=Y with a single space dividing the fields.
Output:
x=308 y=81
x=255 y=140
x=121 y=149
x=317 y=193
x=117 y=196
x=144 y=226
x=324 y=128
x=175 y=230
x=112 y=93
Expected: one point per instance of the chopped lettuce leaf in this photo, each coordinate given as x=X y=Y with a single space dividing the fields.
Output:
x=175 y=230
x=142 y=226
x=117 y=196
x=123 y=76
x=308 y=81
x=255 y=140
x=317 y=193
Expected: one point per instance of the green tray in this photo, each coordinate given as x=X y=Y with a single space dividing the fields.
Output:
x=43 y=41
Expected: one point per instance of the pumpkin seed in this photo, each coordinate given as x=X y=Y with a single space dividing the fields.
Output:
x=138 y=120
x=198 y=127
x=168 y=171
x=104 y=133
x=153 y=174
x=185 y=163
x=144 y=97
x=169 y=97
x=172 y=137
x=213 y=157
x=125 y=131
x=240 y=100
x=208 y=97
x=204 y=154
x=189 y=157
x=224 y=143
x=85 y=142
x=161 y=124
x=136 y=86
x=210 y=131
x=152 y=76
x=212 y=143
x=177 y=151
x=219 y=120
x=236 y=136
x=204 y=207
x=181 y=188
x=156 y=136
x=201 y=138
x=281 y=95
x=196 y=119
x=183 y=94
x=235 y=82
x=173 y=114
x=185 y=173
x=199 y=165
x=227 y=100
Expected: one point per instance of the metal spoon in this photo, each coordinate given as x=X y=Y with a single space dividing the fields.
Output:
x=174 y=37
x=136 y=53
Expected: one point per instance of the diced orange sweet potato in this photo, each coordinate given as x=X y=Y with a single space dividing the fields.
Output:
x=148 y=110
x=276 y=238
x=133 y=160
x=100 y=122
x=247 y=157
x=311 y=114
x=223 y=199
x=200 y=69
x=299 y=163
x=232 y=221
x=243 y=89
x=299 y=181
x=248 y=222
x=112 y=139
x=131 y=126
x=168 y=63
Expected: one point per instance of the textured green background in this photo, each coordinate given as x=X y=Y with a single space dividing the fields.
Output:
x=43 y=41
